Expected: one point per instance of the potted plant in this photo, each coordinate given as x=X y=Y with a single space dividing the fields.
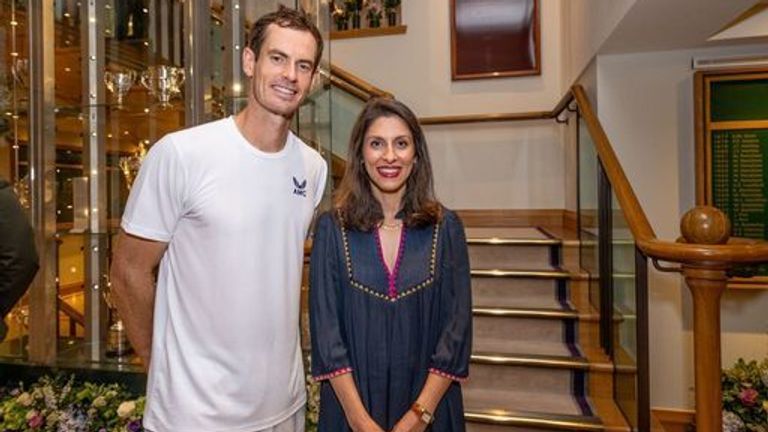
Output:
x=374 y=13
x=340 y=17
x=353 y=8
x=390 y=7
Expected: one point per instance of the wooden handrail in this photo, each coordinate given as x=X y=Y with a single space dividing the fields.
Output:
x=633 y=212
x=738 y=251
x=705 y=254
x=71 y=312
x=482 y=118
x=501 y=117
x=362 y=89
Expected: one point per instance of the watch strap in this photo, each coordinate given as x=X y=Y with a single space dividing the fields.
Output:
x=425 y=416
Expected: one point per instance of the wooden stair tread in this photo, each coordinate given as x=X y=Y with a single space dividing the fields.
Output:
x=515 y=407
x=531 y=360
x=511 y=312
x=518 y=233
x=551 y=273
x=512 y=347
x=565 y=234
x=534 y=420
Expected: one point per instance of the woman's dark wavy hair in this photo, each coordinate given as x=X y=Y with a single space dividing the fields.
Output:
x=354 y=201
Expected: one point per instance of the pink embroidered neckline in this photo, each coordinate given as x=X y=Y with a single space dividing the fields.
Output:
x=391 y=275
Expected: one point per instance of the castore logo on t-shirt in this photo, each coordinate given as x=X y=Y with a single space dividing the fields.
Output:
x=300 y=187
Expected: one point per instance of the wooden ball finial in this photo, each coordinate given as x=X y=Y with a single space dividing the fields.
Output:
x=705 y=225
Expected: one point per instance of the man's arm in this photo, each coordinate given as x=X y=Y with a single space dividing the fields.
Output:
x=18 y=256
x=132 y=278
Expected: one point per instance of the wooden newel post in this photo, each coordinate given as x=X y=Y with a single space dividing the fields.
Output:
x=707 y=282
x=706 y=286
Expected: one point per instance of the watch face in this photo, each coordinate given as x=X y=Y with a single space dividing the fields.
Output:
x=426 y=417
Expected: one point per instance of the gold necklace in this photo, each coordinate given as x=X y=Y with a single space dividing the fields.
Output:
x=393 y=226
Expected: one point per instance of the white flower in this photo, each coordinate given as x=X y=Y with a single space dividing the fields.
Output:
x=99 y=402
x=50 y=397
x=25 y=399
x=30 y=415
x=52 y=418
x=37 y=393
x=732 y=422
x=126 y=408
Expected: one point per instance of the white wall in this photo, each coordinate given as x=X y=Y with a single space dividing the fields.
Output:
x=646 y=107
x=416 y=66
x=586 y=24
x=498 y=165
x=505 y=166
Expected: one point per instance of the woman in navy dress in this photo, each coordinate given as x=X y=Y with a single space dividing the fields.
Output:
x=390 y=302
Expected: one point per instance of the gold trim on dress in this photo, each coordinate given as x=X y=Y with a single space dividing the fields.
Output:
x=428 y=281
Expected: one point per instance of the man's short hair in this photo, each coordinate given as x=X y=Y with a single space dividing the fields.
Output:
x=287 y=18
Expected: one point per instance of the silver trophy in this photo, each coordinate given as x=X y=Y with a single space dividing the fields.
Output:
x=163 y=82
x=20 y=71
x=117 y=345
x=119 y=83
x=129 y=165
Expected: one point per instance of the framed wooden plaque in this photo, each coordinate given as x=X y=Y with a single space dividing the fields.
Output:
x=495 y=38
x=731 y=116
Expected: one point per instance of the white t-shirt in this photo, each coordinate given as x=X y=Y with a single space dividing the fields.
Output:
x=225 y=348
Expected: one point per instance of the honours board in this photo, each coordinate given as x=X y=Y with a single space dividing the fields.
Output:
x=732 y=113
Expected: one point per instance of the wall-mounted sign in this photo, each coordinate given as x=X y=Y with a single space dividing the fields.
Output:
x=732 y=152
x=494 y=38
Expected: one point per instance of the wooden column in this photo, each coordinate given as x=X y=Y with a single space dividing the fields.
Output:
x=42 y=155
x=707 y=286
x=707 y=282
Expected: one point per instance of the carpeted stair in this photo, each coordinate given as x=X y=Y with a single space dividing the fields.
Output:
x=528 y=370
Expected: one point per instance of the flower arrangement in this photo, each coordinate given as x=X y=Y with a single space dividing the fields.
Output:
x=57 y=404
x=354 y=7
x=745 y=397
x=340 y=16
x=375 y=12
x=313 y=397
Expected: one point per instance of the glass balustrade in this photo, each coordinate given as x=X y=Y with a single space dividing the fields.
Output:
x=618 y=281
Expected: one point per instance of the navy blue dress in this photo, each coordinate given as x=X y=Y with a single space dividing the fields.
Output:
x=390 y=329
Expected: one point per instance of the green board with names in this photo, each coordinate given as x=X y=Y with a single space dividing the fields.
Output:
x=739 y=183
x=739 y=156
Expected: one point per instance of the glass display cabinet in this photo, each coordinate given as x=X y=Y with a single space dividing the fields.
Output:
x=86 y=87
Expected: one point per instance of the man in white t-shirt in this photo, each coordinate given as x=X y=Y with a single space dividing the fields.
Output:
x=221 y=212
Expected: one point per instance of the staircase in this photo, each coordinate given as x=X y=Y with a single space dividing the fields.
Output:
x=536 y=362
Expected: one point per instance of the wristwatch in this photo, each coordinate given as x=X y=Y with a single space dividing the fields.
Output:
x=425 y=416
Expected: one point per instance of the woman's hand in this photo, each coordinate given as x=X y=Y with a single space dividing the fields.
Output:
x=366 y=425
x=358 y=418
x=410 y=422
